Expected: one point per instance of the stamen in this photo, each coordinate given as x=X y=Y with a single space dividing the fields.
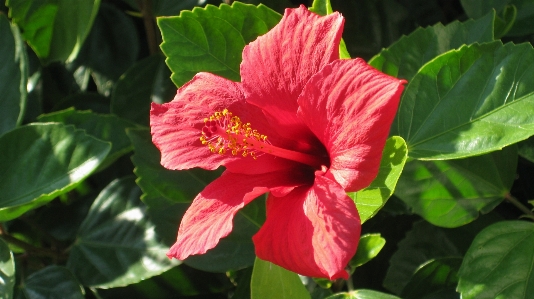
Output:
x=224 y=133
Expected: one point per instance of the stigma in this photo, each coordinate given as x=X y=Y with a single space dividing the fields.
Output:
x=225 y=133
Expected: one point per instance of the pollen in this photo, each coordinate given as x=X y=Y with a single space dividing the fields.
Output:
x=224 y=133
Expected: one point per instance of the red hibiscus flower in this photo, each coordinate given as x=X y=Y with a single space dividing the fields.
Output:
x=303 y=125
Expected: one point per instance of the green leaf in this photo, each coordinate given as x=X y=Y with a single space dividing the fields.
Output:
x=145 y=82
x=13 y=76
x=55 y=29
x=42 y=161
x=106 y=127
x=452 y=193
x=271 y=281
x=211 y=39
x=505 y=21
x=434 y=277
x=323 y=8
x=468 y=102
x=111 y=47
x=525 y=149
x=425 y=243
x=168 y=7
x=368 y=248
x=362 y=294
x=404 y=58
x=371 y=199
x=117 y=244
x=524 y=23
x=7 y=271
x=168 y=194
x=500 y=262
x=52 y=282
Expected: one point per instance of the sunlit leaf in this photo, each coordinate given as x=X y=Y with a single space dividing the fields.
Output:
x=368 y=248
x=52 y=282
x=499 y=263
x=117 y=243
x=212 y=39
x=55 y=29
x=42 y=161
x=106 y=127
x=7 y=271
x=371 y=199
x=468 y=102
x=452 y=193
x=13 y=76
x=362 y=294
x=270 y=281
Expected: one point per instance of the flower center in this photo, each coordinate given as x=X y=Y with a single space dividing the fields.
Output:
x=224 y=133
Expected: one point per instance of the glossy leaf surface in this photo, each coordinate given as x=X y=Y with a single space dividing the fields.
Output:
x=54 y=29
x=270 y=281
x=468 y=102
x=404 y=58
x=13 y=76
x=106 y=127
x=454 y=192
x=52 y=282
x=371 y=199
x=211 y=39
x=500 y=262
x=42 y=161
x=7 y=271
x=117 y=243
x=368 y=248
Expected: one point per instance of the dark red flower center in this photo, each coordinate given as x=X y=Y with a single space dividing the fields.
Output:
x=224 y=133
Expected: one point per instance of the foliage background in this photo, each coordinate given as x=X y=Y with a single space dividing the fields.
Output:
x=76 y=81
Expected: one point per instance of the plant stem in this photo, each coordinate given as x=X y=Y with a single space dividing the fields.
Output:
x=44 y=252
x=150 y=28
x=519 y=205
x=350 y=284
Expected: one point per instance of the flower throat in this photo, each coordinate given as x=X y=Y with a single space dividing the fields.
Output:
x=225 y=133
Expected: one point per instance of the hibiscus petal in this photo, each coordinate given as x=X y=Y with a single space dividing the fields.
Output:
x=277 y=65
x=176 y=126
x=350 y=106
x=313 y=231
x=209 y=218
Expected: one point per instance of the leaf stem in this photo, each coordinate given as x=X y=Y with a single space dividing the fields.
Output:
x=145 y=6
x=350 y=284
x=37 y=251
x=519 y=205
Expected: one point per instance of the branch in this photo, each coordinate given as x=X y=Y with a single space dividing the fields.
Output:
x=150 y=28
